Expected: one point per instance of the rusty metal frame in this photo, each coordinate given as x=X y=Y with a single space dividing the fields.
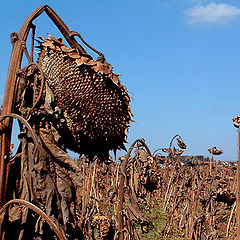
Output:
x=19 y=47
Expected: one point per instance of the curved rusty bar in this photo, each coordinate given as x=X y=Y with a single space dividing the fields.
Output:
x=38 y=211
x=101 y=55
x=25 y=122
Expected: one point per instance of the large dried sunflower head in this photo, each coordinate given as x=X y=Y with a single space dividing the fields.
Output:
x=90 y=96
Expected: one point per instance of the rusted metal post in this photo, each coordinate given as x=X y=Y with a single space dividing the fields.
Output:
x=238 y=188
x=6 y=127
x=236 y=123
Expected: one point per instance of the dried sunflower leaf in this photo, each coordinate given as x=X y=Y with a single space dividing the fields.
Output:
x=215 y=151
x=67 y=49
x=181 y=144
x=105 y=67
x=166 y=150
x=179 y=152
x=73 y=54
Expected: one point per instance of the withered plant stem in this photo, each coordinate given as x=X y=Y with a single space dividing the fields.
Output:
x=238 y=188
x=210 y=164
x=230 y=219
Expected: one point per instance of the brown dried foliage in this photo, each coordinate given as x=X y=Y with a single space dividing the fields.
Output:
x=82 y=197
x=200 y=205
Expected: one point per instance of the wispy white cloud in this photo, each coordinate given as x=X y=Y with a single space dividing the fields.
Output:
x=197 y=1
x=164 y=4
x=213 y=13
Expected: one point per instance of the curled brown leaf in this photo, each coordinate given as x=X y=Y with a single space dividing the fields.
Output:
x=236 y=121
x=166 y=150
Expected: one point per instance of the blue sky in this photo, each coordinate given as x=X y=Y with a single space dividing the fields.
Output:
x=179 y=59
